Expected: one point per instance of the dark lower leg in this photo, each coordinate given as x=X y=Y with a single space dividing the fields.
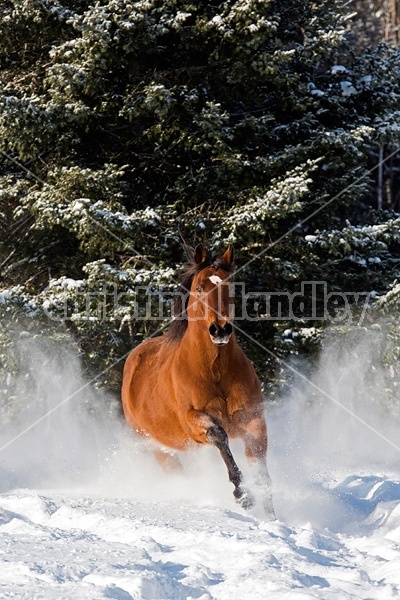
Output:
x=218 y=438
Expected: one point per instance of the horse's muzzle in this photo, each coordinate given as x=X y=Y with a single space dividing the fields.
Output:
x=220 y=335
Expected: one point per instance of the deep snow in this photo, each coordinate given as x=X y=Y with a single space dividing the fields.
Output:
x=85 y=512
x=68 y=546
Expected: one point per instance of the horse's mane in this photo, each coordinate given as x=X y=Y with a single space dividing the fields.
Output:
x=176 y=330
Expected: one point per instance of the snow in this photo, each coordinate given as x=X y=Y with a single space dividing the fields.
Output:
x=338 y=69
x=85 y=512
x=308 y=331
x=347 y=88
x=4 y=296
x=70 y=546
x=365 y=81
x=68 y=283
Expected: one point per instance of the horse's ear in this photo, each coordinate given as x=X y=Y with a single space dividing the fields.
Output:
x=200 y=254
x=229 y=255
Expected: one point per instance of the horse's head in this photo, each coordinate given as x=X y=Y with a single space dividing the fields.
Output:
x=211 y=302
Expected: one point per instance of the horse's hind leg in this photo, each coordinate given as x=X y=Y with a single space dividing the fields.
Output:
x=168 y=461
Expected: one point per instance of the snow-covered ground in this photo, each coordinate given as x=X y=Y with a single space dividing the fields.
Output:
x=85 y=512
x=73 y=546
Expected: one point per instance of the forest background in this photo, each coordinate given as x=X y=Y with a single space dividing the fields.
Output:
x=127 y=126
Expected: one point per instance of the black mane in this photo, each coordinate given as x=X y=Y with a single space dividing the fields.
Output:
x=177 y=329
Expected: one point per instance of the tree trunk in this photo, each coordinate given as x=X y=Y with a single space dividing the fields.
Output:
x=392 y=21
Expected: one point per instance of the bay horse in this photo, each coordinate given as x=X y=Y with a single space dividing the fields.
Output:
x=194 y=384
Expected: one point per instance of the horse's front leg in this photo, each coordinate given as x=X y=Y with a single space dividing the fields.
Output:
x=255 y=442
x=204 y=430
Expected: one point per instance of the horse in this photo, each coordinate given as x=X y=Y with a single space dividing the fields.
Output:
x=195 y=385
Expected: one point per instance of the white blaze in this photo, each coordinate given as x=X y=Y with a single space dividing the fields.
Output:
x=215 y=279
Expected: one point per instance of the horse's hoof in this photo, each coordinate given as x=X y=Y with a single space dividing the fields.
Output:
x=270 y=515
x=245 y=499
x=269 y=510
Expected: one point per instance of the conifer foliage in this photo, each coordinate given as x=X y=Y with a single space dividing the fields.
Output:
x=124 y=124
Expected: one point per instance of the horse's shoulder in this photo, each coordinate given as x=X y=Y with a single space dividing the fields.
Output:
x=242 y=364
x=244 y=379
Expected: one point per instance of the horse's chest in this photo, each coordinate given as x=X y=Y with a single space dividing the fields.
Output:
x=220 y=401
x=218 y=408
x=216 y=393
x=221 y=374
x=218 y=385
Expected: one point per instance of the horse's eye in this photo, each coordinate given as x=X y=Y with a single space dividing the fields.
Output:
x=199 y=289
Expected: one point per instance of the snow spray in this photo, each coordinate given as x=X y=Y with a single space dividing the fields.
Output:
x=337 y=421
x=69 y=436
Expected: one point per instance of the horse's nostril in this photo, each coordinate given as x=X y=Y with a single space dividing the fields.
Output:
x=213 y=329
x=228 y=328
x=218 y=331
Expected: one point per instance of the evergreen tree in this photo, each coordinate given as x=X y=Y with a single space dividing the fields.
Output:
x=123 y=123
